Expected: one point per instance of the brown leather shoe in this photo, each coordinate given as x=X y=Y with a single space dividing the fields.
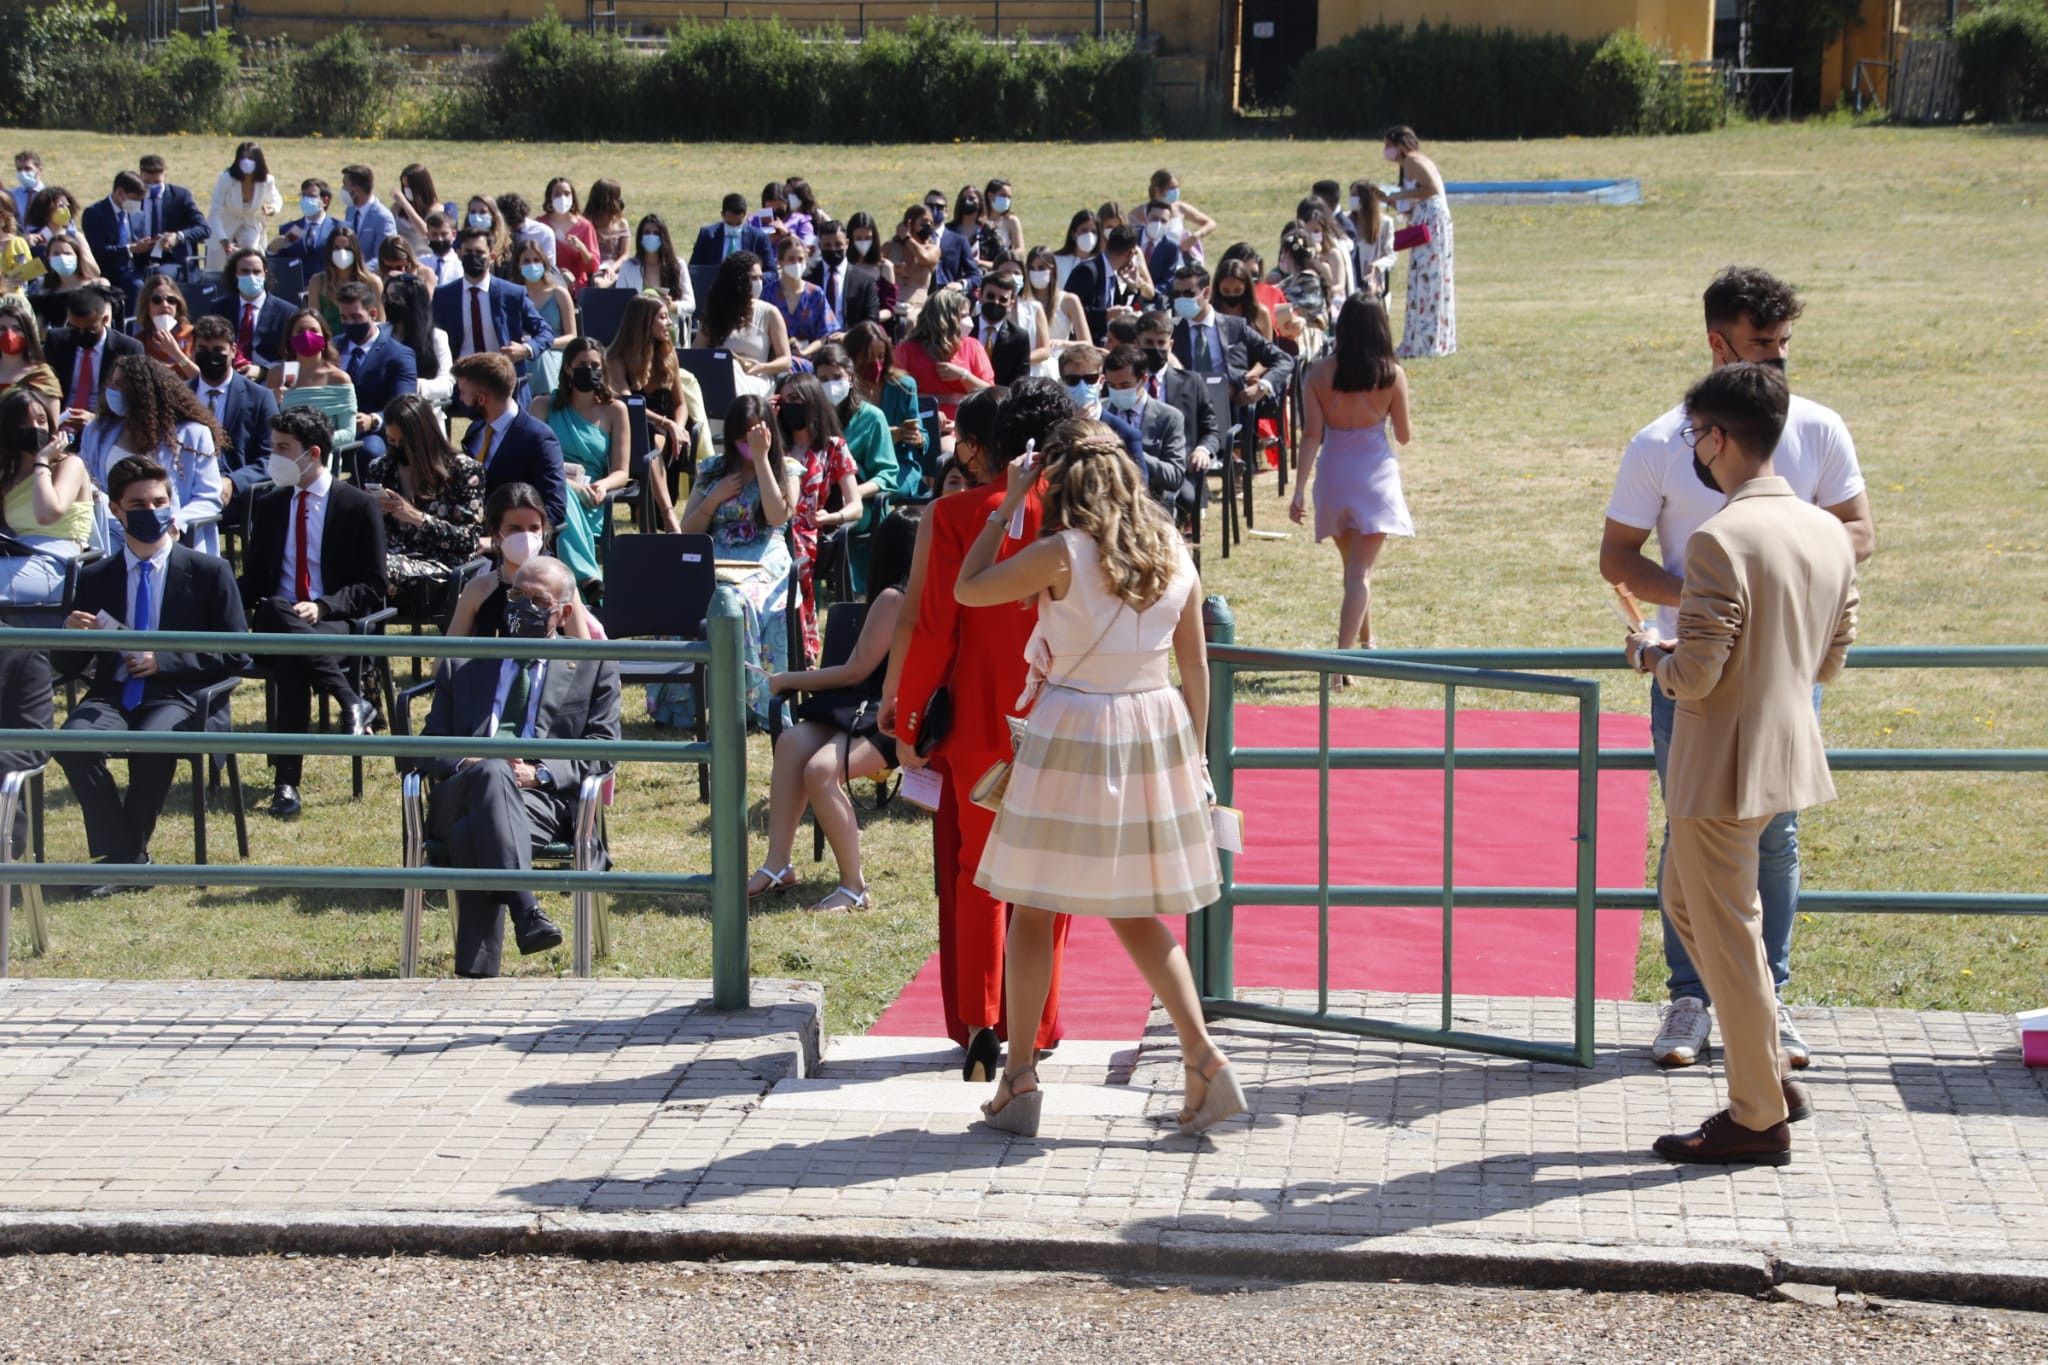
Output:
x=1797 y=1110
x=1723 y=1141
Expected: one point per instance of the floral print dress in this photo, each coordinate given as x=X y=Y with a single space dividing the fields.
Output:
x=433 y=550
x=822 y=472
x=1430 y=324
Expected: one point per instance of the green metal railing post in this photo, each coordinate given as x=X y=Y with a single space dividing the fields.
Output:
x=731 y=960
x=1587 y=871
x=1217 y=978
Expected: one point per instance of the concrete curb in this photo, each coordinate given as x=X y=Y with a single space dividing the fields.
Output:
x=995 y=1245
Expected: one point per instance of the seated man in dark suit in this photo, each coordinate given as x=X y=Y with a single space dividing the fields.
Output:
x=495 y=813
x=380 y=365
x=1158 y=423
x=153 y=584
x=1081 y=376
x=258 y=316
x=241 y=407
x=731 y=234
x=852 y=293
x=1109 y=283
x=511 y=445
x=1207 y=342
x=484 y=315
x=109 y=229
x=315 y=562
x=1009 y=348
x=171 y=217
x=1201 y=427
x=85 y=349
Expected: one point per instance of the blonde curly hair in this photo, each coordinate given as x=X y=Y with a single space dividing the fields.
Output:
x=1091 y=485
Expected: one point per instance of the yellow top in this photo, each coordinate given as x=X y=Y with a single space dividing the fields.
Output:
x=20 y=511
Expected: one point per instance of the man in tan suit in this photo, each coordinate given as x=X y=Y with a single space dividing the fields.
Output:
x=1768 y=610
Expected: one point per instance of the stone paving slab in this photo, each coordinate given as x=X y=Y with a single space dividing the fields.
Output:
x=626 y=1117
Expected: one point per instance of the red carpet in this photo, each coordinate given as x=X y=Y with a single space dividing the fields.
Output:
x=1513 y=829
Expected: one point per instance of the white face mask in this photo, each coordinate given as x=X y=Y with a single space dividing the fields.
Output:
x=1391 y=153
x=792 y=270
x=1315 y=238
x=754 y=288
x=343 y=259
x=1354 y=203
x=1040 y=278
x=521 y=546
x=560 y=203
x=247 y=166
x=837 y=389
x=1085 y=243
x=1154 y=231
x=861 y=245
x=164 y=322
x=284 y=471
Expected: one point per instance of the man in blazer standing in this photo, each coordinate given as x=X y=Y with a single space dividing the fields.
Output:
x=977 y=655
x=154 y=583
x=730 y=235
x=511 y=445
x=1768 y=611
x=315 y=563
x=492 y=812
x=484 y=315
x=241 y=408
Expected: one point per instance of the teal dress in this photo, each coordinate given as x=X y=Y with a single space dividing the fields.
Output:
x=874 y=456
x=547 y=366
x=899 y=405
x=585 y=445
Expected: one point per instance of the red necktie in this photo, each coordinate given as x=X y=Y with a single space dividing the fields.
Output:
x=476 y=320
x=81 y=390
x=245 y=343
x=1152 y=386
x=303 y=586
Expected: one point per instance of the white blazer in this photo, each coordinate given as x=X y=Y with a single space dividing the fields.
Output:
x=237 y=224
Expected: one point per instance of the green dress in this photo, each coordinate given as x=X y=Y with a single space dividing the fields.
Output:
x=584 y=444
x=874 y=454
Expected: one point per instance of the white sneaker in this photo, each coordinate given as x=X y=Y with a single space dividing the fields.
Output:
x=1797 y=1054
x=1683 y=1035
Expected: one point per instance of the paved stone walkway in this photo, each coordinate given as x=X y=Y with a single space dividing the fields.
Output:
x=561 y=1103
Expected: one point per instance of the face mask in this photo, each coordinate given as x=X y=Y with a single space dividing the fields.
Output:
x=247 y=165
x=836 y=390
x=31 y=181
x=1001 y=203
x=117 y=402
x=310 y=205
x=1186 y=308
x=754 y=288
x=1706 y=475
x=1391 y=153
x=834 y=257
x=1776 y=362
x=1085 y=243
x=521 y=546
x=308 y=343
x=585 y=378
x=561 y=202
x=1041 y=279
x=993 y=310
x=1154 y=231
x=650 y=242
x=526 y=619
x=213 y=365
x=249 y=286
x=861 y=245
x=480 y=221
x=12 y=342
x=792 y=270
x=1355 y=206
x=164 y=322
x=359 y=333
x=343 y=259
x=475 y=263
x=1155 y=360
x=1085 y=395
x=937 y=211
x=1315 y=238
x=148 y=525
x=924 y=234
x=440 y=248
x=283 y=470
x=1124 y=400
x=1172 y=196
x=67 y=266
x=533 y=272
x=60 y=217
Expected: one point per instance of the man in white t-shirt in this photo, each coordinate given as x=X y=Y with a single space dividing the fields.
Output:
x=1749 y=316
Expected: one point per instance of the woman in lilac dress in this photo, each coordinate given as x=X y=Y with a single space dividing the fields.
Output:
x=1352 y=398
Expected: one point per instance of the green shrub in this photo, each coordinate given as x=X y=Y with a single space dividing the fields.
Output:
x=2002 y=50
x=342 y=86
x=1632 y=87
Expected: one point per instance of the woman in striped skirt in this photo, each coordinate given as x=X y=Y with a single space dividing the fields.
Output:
x=1107 y=812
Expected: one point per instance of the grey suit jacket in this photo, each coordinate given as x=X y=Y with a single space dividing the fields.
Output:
x=577 y=701
x=1166 y=449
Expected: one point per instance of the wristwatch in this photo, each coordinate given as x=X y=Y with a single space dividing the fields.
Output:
x=541 y=776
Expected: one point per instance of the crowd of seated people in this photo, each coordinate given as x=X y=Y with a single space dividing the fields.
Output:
x=396 y=401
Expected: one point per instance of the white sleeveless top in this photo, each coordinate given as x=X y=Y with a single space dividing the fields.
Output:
x=1091 y=640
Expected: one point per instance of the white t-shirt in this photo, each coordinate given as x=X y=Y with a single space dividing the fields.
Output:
x=1657 y=489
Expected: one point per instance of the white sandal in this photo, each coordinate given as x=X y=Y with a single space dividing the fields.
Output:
x=856 y=898
x=777 y=881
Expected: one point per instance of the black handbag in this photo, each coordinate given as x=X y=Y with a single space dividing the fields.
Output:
x=849 y=710
x=938 y=722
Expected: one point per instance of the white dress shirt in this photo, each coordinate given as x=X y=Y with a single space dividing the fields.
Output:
x=157 y=562
x=541 y=235
x=315 y=498
x=506 y=670
x=480 y=291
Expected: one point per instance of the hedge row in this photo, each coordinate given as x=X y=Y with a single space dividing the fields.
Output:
x=2002 y=50
x=1455 y=82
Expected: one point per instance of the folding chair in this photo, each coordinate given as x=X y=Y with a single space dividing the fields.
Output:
x=713 y=368
x=12 y=785
x=1219 y=394
x=600 y=311
x=660 y=587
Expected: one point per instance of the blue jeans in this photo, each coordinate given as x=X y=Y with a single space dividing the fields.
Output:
x=1777 y=873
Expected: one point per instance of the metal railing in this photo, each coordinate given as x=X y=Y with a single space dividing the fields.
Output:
x=1041 y=19
x=724 y=751
x=1210 y=945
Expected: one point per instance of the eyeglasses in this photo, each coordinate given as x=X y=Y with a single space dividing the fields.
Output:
x=1692 y=435
x=1095 y=378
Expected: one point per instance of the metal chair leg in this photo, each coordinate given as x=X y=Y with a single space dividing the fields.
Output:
x=412 y=808
x=234 y=766
x=199 y=809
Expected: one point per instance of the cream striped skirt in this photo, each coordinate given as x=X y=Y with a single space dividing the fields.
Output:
x=1105 y=813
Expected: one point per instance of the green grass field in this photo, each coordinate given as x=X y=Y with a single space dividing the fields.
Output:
x=1923 y=256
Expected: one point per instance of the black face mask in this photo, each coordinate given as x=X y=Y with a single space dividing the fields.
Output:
x=1155 y=360
x=440 y=248
x=834 y=256
x=87 y=340
x=994 y=310
x=1706 y=475
x=792 y=418
x=475 y=264
x=924 y=234
x=1776 y=362
x=585 y=378
x=359 y=333
x=213 y=365
x=526 y=619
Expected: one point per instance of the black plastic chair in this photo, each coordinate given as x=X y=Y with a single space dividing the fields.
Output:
x=660 y=586
x=712 y=367
x=370 y=677
x=1229 y=458
x=600 y=311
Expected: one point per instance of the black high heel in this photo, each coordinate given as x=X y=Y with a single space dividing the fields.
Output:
x=984 y=1055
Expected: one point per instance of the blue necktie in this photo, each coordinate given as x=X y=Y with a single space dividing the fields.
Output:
x=732 y=241
x=121 y=224
x=131 y=691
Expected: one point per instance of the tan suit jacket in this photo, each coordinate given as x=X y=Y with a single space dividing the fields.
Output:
x=1769 y=609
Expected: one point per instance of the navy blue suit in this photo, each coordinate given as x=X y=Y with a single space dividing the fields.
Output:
x=246 y=408
x=1162 y=258
x=272 y=316
x=710 y=247
x=176 y=211
x=956 y=262
x=384 y=369
x=103 y=229
x=527 y=453
x=309 y=253
x=512 y=314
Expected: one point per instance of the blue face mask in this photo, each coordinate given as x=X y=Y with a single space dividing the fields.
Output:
x=650 y=242
x=532 y=272
x=249 y=285
x=148 y=525
x=117 y=402
x=310 y=205
x=1124 y=400
x=1085 y=395
x=1172 y=196
x=480 y=221
x=1187 y=308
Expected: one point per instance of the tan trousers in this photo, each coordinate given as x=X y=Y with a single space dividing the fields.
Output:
x=1710 y=897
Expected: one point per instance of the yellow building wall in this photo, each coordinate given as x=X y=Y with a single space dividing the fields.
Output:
x=1868 y=39
x=1686 y=26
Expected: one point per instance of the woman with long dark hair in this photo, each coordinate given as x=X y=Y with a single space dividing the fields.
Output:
x=1429 y=324
x=1083 y=243
x=147 y=410
x=431 y=495
x=344 y=265
x=736 y=317
x=409 y=308
x=590 y=422
x=515 y=529
x=45 y=496
x=864 y=252
x=245 y=199
x=654 y=265
x=816 y=445
x=1351 y=399
x=411 y=202
x=164 y=325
